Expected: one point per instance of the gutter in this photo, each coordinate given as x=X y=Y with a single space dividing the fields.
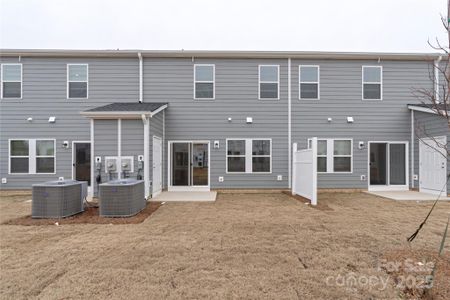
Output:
x=218 y=54
x=141 y=78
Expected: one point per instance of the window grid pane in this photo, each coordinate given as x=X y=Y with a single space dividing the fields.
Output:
x=12 y=73
x=19 y=148
x=309 y=74
x=204 y=73
x=78 y=73
x=268 y=74
x=19 y=164
x=45 y=165
x=45 y=148
x=372 y=74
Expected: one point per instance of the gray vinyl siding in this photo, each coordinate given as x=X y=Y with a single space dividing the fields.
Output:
x=236 y=96
x=341 y=97
x=236 y=93
x=105 y=144
x=44 y=95
x=133 y=142
x=428 y=125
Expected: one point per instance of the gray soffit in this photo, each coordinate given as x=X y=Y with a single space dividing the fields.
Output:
x=218 y=54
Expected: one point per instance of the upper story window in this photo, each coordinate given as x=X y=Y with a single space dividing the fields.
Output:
x=204 y=77
x=269 y=80
x=372 y=81
x=11 y=81
x=77 y=81
x=309 y=82
x=249 y=155
x=32 y=156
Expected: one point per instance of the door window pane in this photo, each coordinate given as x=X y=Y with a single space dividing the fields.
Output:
x=397 y=160
x=200 y=164
x=180 y=164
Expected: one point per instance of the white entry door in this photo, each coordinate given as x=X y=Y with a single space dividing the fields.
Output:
x=432 y=165
x=157 y=166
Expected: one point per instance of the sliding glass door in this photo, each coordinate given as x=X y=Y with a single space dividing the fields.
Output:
x=388 y=165
x=189 y=165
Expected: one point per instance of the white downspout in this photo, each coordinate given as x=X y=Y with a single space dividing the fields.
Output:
x=146 y=122
x=412 y=148
x=141 y=78
x=289 y=127
x=436 y=78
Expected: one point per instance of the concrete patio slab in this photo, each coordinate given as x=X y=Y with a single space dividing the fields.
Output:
x=408 y=195
x=185 y=196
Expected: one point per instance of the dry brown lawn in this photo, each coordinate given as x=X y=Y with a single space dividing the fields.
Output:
x=241 y=246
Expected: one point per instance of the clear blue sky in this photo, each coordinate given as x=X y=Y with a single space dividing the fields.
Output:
x=325 y=25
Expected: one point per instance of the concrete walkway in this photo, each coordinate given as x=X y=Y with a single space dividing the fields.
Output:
x=408 y=195
x=185 y=196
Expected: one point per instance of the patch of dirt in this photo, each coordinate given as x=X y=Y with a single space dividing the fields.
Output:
x=418 y=273
x=12 y=193
x=319 y=206
x=90 y=215
x=242 y=246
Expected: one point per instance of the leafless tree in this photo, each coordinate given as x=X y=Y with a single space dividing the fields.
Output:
x=437 y=99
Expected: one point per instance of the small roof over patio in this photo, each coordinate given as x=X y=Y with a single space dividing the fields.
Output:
x=429 y=108
x=125 y=110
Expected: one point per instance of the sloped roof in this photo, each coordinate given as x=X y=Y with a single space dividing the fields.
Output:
x=125 y=109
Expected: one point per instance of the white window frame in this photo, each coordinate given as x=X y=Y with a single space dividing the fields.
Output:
x=300 y=82
x=372 y=82
x=205 y=81
x=264 y=81
x=32 y=157
x=2 y=80
x=248 y=155
x=330 y=154
x=10 y=156
x=68 y=81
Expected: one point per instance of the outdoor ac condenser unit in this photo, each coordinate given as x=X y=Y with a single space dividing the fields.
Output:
x=122 y=198
x=58 y=199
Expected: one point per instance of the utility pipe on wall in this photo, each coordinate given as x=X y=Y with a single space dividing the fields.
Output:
x=141 y=79
x=436 y=78
x=146 y=122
